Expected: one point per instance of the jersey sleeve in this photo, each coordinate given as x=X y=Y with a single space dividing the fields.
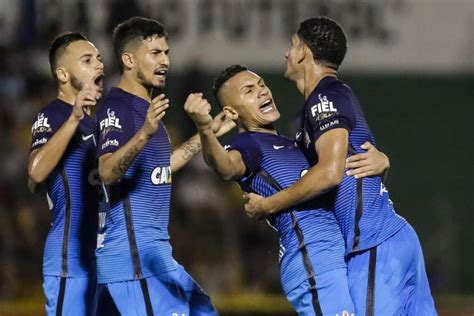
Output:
x=250 y=151
x=115 y=128
x=45 y=126
x=325 y=112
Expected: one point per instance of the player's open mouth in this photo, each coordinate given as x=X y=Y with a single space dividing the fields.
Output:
x=99 y=82
x=161 y=72
x=267 y=106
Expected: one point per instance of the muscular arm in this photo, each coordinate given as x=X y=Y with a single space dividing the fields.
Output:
x=228 y=165
x=112 y=166
x=185 y=152
x=331 y=148
x=43 y=160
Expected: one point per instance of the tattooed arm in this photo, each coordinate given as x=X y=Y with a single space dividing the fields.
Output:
x=185 y=152
x=112 y=166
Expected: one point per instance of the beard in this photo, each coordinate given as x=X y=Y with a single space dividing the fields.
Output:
x=76 y=83
x=149 y=84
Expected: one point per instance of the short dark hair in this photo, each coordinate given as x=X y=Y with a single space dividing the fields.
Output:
x=58 y=47
x=222 y=78
x=326 y=39
x=133 y=29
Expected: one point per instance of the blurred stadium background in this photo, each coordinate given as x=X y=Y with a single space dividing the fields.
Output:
x=411 y=63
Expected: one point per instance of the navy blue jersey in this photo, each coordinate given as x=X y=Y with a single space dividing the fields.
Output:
x=280 y=158
x=133 y=241
x=332 y=105
x=72 y=194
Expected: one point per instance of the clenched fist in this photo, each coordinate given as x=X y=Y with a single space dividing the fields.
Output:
x=199 y=110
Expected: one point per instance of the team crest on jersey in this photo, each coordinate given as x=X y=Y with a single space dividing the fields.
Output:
x=324 y=109
x=41 y=125
x=161 y=175
x=110 y=123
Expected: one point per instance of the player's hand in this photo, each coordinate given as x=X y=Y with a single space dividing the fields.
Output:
x=370 y=163
x=86 y=97
x=221 y=124
x=199 y=111
x=254 y=206
x=155 y=113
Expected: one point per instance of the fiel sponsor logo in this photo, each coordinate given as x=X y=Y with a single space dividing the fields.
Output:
x=324 y=106
x=41 y=125
x=110 y=122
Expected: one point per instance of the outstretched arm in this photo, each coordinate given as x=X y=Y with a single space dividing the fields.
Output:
x=331 y=148
x=228 y=165
x=43 y=160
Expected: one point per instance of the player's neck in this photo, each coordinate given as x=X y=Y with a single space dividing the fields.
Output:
x=312 y=77
x=130 y=85
x=260 y=129
x=67 y=95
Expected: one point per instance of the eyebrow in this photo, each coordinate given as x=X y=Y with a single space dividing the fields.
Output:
x=85 y=55
x=250 y=85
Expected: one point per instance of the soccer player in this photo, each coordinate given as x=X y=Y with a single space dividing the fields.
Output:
x=134 y=257
x=312 y=267
x=386 y=270
x=62 y=159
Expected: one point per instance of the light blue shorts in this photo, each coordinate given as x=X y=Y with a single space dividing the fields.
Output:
x=174 y=293
x=400 y=283
x=69 y=296
x=332 y=293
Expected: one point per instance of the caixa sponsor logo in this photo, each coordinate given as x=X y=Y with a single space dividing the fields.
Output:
x=161 y=175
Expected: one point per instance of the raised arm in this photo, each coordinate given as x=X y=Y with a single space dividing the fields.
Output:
x=187 y=150
x=43 y=160
x=331 y=148
x=112 y=166
x=228 y=165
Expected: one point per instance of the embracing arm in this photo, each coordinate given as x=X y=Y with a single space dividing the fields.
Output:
x=370 y=163
x=331 y=148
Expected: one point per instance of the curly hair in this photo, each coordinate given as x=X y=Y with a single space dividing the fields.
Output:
x=326 y=39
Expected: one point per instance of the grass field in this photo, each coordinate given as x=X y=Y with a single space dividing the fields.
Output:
x=246 y=305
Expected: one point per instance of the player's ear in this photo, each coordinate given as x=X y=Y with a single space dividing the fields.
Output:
x=230 y=113
x=304 y=52
x=62 y=75
x=128 y=60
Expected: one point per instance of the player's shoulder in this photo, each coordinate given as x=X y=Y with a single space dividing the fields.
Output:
x=247 y=139
x=116 y=100
x=54 y=110
x=336 y=89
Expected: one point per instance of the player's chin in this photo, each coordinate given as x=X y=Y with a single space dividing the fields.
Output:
x=159 y=84
x=272 y=117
